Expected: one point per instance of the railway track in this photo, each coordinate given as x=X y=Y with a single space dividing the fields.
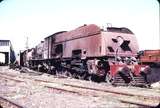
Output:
x=138 y=101
x=5 y=103
x=9 y=78
x=129 y=98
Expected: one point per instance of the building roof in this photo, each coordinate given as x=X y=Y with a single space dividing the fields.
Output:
x=4 y=40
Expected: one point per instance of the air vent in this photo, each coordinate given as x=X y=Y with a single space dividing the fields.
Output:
x=110 y=49
x=125 y=46
x=114 y=40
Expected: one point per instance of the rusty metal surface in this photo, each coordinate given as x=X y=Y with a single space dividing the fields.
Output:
x=116 y=42
x=85 y=38
x=95 y=42
x=48 y=47
x=83 y=31
x=91 y=40
x=150 y=56
x=39 y=50
x=89 y=44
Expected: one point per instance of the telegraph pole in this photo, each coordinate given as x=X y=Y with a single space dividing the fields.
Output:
x=27 y=43
x=27 y=64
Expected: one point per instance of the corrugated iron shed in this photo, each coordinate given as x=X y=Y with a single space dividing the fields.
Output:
x=6 y=51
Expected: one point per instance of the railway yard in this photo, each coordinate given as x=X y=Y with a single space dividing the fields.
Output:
x=66 y=70
x=57 y=64
x=31 y=89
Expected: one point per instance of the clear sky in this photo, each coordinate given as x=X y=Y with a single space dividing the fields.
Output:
x=37 y=19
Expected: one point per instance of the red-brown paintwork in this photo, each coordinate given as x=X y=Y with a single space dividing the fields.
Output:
x=94 y=41
x=83 y=31
x=150 y=56
x=114 y=68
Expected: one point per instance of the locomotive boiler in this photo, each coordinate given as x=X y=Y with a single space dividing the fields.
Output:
x=89 y=52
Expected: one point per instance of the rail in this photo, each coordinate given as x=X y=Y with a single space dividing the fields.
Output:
x=132 y=98
x=5 y=103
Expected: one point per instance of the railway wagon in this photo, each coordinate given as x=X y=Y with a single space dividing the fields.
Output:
x=151 y=58
x=89 y=52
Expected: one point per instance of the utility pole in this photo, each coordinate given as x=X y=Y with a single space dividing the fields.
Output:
x=27 y=43
x=27 y=59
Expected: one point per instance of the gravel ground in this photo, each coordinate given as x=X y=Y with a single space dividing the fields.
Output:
x=32 y=94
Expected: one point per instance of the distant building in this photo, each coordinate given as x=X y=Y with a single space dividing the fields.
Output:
x=7 y=54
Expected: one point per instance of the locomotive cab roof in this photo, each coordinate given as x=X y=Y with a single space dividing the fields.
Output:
x=56 y=34
x=119 y=30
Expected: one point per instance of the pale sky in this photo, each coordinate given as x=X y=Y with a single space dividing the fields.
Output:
x=37 y=19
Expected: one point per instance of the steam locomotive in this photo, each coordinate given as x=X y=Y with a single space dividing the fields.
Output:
x=91 y=53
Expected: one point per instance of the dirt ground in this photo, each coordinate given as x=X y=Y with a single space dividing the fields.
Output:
x=31 y=94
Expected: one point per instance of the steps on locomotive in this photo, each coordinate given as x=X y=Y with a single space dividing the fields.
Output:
x=119 y=81
x=140 y=81
x=137 y=81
